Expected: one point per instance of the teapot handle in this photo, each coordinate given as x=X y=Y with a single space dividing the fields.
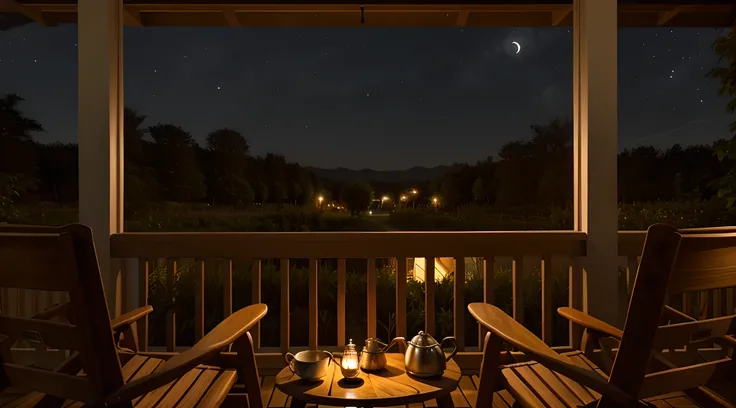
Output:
x=454 y=347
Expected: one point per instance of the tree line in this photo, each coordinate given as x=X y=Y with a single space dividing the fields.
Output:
x=163 y=162
x=539 y=173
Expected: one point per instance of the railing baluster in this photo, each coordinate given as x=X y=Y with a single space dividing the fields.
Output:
x=22 y=311
x=489 y=269
x=401 y=297
x=313 y=302
x=5 y=301
x=227 y=288
x=256 y=298
x=575 y=299
x=341 y=288
x=143 y=272
x=429 y=287
x=547 y=288
x=718 y=303
x=371 y=281
x=199 y=269
x=125 y=286
x=458 y=308
x=170 y=315
x=517 y=279
x=284 y=269
x=729 y=301
x=687 y=305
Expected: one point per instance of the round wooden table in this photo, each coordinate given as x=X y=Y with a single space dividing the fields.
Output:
x=388 y=387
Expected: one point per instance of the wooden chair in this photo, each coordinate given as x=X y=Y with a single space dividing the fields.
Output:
x=672 y=262
x=64 y=259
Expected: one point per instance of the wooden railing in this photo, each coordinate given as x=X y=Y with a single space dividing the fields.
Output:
x=136 y=255
x=523 y=251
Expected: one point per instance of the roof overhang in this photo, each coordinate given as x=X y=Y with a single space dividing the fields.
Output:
x=224 y=13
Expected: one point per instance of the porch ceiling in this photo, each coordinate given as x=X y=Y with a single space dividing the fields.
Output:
x=233 y=13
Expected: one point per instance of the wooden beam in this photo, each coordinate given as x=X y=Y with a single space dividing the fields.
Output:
x=462 y=18
x=35 y=14
x=558 y=16
x=232 y=19
x=665 y=17
x=132 y=17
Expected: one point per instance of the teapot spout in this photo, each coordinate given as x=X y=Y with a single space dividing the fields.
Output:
x=400 y=342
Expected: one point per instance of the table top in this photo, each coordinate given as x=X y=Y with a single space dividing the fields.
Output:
x=391 y=386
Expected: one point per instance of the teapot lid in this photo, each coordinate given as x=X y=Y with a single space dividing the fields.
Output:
x=423 y=340
x=374 y=345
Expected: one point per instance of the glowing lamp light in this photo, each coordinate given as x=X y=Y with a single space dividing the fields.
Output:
x=403 y=198
x=349 y=362
x=434 y=200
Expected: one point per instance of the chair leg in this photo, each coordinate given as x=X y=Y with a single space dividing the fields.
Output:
x=248 y=369
x=490 y=372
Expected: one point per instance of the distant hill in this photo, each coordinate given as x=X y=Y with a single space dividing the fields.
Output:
x=414 y=174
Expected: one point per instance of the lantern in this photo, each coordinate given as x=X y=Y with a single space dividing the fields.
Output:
x=349 y=362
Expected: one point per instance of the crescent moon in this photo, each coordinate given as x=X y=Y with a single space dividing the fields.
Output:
x=518 y=46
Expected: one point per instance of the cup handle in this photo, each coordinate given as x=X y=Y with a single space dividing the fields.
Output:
x=454 y=347
x=288 y=358
x=332 y=358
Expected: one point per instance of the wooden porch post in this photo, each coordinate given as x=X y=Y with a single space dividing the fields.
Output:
x=101 y=130
x=595 y=82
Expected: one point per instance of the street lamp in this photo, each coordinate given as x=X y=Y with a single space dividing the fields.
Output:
x=320 y=199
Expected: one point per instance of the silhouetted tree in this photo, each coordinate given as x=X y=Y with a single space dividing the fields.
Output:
x=357 y=197
x=176 y=164
x=17 y=147
x=725 y=48
x=227 y=154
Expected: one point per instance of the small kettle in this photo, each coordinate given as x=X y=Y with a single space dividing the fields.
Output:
x=425 y=357
x=373 y=356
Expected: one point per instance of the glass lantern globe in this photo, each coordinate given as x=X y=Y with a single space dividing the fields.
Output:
x=349 y=363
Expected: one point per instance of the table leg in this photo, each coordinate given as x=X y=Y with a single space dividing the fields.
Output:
x=295 y=403
x=445 y=401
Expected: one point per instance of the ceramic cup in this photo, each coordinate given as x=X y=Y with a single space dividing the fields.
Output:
x=309 y=364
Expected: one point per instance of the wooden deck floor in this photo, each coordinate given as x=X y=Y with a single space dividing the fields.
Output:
x=463 y=397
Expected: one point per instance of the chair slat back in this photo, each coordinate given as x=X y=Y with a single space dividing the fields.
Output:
x=59 y=259
x=674 y=262
x=705 y=261
x=645 y=308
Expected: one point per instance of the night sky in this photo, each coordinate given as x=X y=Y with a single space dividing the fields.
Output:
x=374 y=97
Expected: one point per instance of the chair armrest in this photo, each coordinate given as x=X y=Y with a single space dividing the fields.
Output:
x=512 y=332
x=728 y=341
x=126 y=319
x=59 y=310
x=590 y=322
x=227 y=332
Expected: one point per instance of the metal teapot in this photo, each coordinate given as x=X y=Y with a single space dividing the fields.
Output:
x=424 y=356
x=373 y=356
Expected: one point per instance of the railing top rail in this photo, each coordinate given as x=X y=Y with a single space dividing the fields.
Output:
x=630 y=243
x=273 y=245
